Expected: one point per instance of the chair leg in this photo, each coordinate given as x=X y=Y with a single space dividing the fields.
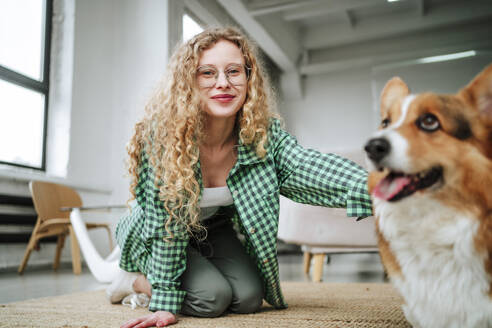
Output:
x=76 y=265
x=30 y=246
x=27 y=253
x=318 y=267
x=307 y=262
x=59 y=247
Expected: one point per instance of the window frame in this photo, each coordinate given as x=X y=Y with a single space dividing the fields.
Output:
x=189 y=12
x=194 y=17
x=42 y=86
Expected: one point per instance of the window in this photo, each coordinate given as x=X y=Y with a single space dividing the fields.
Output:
x=25 y=31
x=190 y=27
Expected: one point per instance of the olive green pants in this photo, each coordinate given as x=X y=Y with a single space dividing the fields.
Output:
x=219 y=275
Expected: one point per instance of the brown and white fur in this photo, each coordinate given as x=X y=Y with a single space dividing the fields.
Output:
x=432 y=193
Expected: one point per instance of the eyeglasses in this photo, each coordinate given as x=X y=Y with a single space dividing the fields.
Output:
x=236 y=75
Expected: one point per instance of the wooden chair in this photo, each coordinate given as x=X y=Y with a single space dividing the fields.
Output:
x=49 y=200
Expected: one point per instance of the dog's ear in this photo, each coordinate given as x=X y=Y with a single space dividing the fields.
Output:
x=478 y=93
x=393 y=90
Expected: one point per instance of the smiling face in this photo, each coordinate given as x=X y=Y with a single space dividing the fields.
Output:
x=222 y=99
x=426 y=144
x=414 y=145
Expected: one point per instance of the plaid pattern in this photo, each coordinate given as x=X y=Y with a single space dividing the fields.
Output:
x=141 y=239
x=303 y=175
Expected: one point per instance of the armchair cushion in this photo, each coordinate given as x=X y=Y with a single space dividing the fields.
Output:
x=317 y=226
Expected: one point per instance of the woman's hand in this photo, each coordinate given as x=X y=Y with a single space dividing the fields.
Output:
x=156 y=319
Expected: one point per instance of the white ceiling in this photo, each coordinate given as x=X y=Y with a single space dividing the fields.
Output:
x=305 y=37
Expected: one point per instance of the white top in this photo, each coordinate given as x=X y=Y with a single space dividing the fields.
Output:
x=212 y=199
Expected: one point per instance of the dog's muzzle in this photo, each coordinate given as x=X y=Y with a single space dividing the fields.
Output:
x=377 y=149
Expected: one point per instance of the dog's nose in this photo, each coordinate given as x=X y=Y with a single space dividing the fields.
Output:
x=377 y=148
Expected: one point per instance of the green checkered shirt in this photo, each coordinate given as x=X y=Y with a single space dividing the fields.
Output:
x=303 y=175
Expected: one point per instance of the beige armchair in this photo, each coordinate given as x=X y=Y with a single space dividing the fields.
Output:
x=320 y=230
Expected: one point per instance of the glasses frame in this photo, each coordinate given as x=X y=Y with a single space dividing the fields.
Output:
x=247 y=71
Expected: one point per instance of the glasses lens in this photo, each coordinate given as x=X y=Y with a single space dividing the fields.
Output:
x=206 y=76
x=236 y=74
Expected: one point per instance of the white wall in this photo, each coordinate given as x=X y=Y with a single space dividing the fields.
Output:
x=119 y=53
x=335 y=112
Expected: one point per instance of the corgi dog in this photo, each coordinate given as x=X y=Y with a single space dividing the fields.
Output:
x=431 y=185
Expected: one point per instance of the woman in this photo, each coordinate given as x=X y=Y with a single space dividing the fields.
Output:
x=209 y=155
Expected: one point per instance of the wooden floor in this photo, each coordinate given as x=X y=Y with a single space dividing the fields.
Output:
x=35 y=282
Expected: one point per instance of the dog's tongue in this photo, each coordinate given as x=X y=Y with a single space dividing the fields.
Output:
x=390 y=186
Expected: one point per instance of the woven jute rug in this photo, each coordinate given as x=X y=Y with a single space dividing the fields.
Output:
x=310 y=305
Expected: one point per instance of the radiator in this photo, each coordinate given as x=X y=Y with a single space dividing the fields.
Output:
x=17 y=219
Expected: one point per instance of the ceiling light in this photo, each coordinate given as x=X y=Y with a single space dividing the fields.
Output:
x=393 y=0
x=427 y=60
x=457 y=55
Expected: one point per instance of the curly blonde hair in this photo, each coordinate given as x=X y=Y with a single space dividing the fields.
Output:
x=171 y=131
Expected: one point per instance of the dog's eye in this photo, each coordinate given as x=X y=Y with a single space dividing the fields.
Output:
x=428 y=122
x=385 y=123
